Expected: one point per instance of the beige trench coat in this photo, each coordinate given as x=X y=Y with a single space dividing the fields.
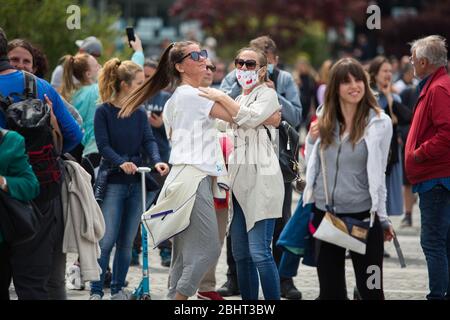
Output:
x=255 y=175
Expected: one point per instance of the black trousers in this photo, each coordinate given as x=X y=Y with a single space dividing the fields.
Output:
x=5 y=271
x=279 y=225
x=37 y=267
x=331 y=264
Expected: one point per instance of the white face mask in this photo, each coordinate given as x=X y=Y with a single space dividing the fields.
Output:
x=247 y=78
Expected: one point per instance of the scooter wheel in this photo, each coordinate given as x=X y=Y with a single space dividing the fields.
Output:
x=146 y=297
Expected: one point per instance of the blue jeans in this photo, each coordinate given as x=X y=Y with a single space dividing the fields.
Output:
x=252 y=253
x=122 y=210
x=435 y=239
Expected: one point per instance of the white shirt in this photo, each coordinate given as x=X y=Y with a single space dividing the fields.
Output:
x=193 y=132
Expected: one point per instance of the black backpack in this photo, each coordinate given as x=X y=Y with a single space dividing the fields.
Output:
x=32 y=118
x=288 y=146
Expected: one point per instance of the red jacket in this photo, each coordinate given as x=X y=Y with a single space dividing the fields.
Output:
x=427 y=151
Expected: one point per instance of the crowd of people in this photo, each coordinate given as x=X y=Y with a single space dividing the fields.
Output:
x=378 y=134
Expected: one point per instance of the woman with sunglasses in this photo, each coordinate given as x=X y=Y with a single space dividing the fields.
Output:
x=196 y=158
x=256 y=180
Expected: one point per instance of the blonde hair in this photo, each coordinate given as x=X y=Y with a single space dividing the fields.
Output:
x=112 y=75
x=324 y=71
x=74 y=67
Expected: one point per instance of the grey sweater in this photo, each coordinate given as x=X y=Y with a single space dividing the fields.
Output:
x=346 y=170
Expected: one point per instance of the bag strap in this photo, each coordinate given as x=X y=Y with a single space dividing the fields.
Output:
x=3 y=133
x=325 y=180
x=30 y=85
x=274 y=77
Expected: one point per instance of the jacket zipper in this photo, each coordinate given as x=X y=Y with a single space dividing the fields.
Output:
x=335 y=177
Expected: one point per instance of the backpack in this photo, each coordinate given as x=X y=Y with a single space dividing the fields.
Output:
x=292 y=166
x=35 y=121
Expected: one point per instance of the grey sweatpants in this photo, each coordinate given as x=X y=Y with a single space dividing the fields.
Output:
x=196 y=249
x=208 y=282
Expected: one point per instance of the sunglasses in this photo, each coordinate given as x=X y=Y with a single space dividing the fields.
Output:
x=239 y=63
x=195 y=55
x=212 y=68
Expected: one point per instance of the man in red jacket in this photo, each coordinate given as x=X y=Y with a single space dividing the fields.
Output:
x=427 y=158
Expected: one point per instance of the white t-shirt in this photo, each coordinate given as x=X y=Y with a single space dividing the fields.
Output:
x=192 y=131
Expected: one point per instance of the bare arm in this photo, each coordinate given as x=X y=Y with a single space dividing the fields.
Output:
x=231 y=106
x=218 y=111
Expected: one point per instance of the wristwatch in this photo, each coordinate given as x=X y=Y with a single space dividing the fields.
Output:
x=4 y=184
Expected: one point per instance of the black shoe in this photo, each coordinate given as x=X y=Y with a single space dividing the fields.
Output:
x=289 y=291
x=108 y=278
x=356 y=295
x=406 y=221
x=229 y=288
x=166 y=256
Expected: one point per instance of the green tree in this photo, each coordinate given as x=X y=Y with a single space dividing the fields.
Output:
x=44 y=23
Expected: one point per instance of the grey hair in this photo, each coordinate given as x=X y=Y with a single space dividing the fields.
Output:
x=433 y=48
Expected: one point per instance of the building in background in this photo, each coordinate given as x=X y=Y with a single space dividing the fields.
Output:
x=152 y=22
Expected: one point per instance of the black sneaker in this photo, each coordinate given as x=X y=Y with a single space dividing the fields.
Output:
x=166 y=256
x=406 y=221
x=289 y=291
x=108 y=278
x=229 y=288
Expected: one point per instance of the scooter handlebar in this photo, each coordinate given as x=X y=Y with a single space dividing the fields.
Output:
x=144 y=169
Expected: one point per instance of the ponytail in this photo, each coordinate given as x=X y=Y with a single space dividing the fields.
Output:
x=112 y=75
x=68 y=86
x=107 y=80
x=161 y=79
x=74 y=67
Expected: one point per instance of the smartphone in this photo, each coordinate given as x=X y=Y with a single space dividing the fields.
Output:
x=130 y=35
x=157 y=113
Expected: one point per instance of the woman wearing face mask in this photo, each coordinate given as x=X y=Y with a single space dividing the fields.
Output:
x=380 y=71
x=120 y=142
x=255 y=175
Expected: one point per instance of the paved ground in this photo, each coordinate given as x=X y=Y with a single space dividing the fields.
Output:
x=410 y=283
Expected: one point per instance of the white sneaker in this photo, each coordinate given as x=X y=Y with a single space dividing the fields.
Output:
x=95 y=297
x=121 y=295
x=73 y=278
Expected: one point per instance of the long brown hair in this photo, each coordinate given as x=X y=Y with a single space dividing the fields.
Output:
x=339 y=73
x=74 y=66
x=165 y=74
x=112 y=75
x=374 y=69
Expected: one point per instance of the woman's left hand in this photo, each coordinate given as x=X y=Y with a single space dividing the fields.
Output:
x=211 y=93
x=162 y=168
x=389 y=233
